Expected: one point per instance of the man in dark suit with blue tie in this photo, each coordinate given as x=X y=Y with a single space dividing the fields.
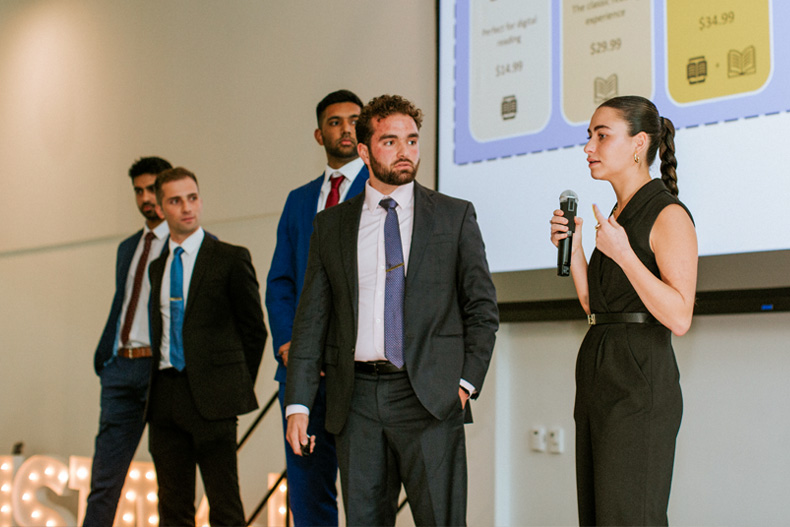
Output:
x=207 y=337
x=311 y=480
x=122 y=358
x=399 y=312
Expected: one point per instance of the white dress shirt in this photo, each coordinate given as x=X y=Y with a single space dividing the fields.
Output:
x=191 y=248
x=139 y=335
x=349 y=171
x=371 y=265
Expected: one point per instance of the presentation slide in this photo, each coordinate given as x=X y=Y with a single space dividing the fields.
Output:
x=519 y=81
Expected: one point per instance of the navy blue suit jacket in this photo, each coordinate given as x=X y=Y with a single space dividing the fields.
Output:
x=289 y=263
x=106 y=348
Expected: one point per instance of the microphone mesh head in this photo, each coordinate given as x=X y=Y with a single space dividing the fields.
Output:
x=568 y=194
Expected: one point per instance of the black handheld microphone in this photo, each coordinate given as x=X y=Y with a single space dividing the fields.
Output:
x=568 y=202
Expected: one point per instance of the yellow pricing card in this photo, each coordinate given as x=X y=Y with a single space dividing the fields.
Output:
x=717 y=48
x=606 y=51
x=509 y=67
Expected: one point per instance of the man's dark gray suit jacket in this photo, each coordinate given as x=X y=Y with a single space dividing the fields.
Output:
x=224 y=332
x=450 y=310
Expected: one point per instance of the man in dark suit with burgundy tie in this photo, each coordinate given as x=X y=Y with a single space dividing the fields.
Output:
x=208 y=336
x=399 y=310
x=122 y=359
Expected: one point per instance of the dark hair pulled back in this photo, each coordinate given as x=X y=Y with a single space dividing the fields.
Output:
x=642 y=116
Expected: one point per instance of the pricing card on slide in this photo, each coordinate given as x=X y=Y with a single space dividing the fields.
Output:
x=606 y=51
x=717 y=48
x=510 y=67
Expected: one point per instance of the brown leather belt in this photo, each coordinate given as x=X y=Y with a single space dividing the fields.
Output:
x=379 y=367
x=135 y=353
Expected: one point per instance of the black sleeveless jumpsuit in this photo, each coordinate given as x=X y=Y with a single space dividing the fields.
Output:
x=628 y=401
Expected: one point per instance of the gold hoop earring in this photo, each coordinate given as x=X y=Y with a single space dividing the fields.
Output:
x=636 y=158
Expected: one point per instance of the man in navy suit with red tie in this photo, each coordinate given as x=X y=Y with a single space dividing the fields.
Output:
x=122 y=359
x=311 y=480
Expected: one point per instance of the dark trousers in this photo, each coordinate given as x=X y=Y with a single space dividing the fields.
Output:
x=628 y=412
x=180 y=438
x=389 y=439
x=312 y=492
x=124 y=383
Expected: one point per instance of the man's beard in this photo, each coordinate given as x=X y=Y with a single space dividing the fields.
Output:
x=150 y=214
x=348 y=153
x=389 y=176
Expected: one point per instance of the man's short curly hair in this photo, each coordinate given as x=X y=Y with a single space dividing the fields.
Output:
x=380 y=108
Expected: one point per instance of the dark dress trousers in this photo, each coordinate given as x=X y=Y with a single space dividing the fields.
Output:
x=192 y=414
x=124 y=383
x=450 y=321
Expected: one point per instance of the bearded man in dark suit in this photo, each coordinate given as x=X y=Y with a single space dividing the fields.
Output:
x=399 y=310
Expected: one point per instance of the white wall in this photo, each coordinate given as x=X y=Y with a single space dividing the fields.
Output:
x=228 y=89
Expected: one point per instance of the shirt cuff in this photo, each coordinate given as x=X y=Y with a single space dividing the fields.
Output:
x=466 y=384
x=296 y=409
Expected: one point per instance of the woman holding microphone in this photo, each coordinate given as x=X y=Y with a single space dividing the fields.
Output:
x=638 y=288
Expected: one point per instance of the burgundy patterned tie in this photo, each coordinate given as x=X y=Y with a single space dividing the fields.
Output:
x=138 y=284
x=334 y=193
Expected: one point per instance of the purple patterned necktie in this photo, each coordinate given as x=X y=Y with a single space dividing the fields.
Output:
x=394 y=285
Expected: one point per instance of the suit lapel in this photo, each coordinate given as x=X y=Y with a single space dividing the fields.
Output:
x=349 y=235
x=202 y=263
x=421 y=229
x=126 y=258
x=156 y=271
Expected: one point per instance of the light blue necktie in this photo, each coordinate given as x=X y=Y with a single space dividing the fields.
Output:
x=394 y=285
x=177 y=310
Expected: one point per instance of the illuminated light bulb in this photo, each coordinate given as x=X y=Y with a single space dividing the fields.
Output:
x=6 y=487
x=35 y=514
x=26 y=496
x=283 y=487
x=131 y=495
x=5 y=466
x=150 y=475
x=282 y=510
x=128 y=517
x=134 y=474
x=63 y=476
x=153 y=519
x=82 y=472
x=33 y=476
x=51 y=523
x=49 y=471
x=5 y=508
x=152 y=497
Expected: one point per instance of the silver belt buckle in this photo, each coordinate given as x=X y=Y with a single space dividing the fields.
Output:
x=591 y=319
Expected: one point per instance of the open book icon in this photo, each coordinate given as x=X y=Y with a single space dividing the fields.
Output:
x=697 y=70
x=604 y=89
x=741 y=62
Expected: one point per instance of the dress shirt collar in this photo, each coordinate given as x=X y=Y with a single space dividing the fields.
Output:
x=161 y=231
x=349 y=170
x=191 y=244
x=403 y=195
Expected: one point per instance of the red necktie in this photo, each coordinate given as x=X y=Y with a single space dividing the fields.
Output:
x=334 y=193
x=138 y=284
